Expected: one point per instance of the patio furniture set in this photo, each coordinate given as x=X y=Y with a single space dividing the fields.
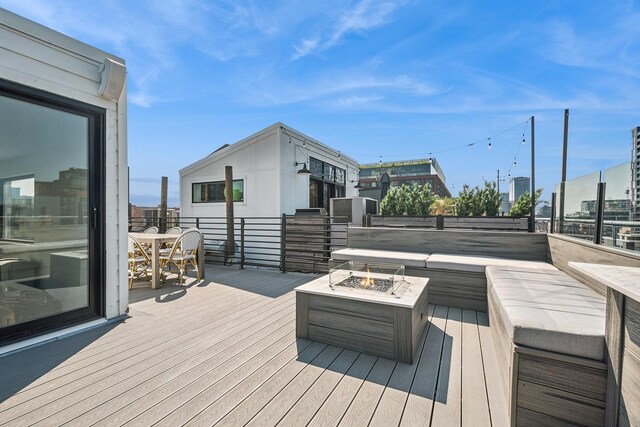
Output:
x=154 y=252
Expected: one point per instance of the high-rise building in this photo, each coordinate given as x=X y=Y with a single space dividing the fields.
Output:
x=635 y=172
x=505 y=206
x=517 y=187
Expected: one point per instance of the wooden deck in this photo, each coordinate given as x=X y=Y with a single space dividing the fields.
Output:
x=224 y=352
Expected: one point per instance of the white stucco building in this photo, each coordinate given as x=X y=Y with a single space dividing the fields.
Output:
x=63 y=184
x=266 y=178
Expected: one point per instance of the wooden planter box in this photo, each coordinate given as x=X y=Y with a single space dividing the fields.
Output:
x=370 y=322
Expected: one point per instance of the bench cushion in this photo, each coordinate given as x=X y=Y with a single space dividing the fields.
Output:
x=547 y=310
x=477 y=264
x=408 y=259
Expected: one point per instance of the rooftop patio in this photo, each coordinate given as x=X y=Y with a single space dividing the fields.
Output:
x=224 y=352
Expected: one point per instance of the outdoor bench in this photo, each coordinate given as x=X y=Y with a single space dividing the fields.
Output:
x=549 y=334
x=454 y=280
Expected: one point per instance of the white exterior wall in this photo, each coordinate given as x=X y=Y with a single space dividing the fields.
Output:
x=255 y=160
x=38 y=57
x=295 y=188
x=266 y=161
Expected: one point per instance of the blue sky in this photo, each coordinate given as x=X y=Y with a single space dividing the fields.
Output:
x=397 y=79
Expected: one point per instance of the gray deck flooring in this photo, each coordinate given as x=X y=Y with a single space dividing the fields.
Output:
x=224 y=352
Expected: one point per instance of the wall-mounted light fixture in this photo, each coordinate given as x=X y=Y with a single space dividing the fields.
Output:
x=304 y=170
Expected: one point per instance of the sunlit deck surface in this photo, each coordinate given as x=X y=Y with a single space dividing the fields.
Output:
x=224 y=352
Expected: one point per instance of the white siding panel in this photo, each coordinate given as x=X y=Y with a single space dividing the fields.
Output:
x=53 y=38
x=111 y=216
x=52 y=55
x=51 y=79
x=123 y=204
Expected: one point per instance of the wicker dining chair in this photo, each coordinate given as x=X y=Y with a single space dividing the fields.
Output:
x=183 y=253
x=174 y=230
x=139 y=261
x=151 y=230
x=166 y=246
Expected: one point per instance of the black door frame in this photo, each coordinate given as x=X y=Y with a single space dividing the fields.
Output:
x=96 y=203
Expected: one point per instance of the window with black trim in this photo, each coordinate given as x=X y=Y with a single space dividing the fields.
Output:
x=214 y=192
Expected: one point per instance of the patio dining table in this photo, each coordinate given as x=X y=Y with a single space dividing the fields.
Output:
x=156 y=241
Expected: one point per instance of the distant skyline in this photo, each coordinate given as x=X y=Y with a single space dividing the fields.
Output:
x=390 y=80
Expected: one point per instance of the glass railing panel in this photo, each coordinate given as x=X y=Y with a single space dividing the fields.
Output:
x=618 y=228
x=579 y=207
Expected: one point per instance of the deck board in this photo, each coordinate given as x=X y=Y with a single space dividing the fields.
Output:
x=447 y=405
x=224 y=352
x=420 y=400
x=475 y=404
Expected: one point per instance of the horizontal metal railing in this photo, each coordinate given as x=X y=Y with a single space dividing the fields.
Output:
x=288 y=243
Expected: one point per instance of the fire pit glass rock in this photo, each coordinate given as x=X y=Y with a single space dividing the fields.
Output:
x=358 y=275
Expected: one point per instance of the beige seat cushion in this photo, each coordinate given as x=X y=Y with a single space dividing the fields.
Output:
x=477 y=264
x=548 y=310
x=408 y=259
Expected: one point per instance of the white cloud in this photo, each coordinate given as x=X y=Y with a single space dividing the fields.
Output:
x=365 y=15
x=142 y=99
x=341 y=85
x=305 y=47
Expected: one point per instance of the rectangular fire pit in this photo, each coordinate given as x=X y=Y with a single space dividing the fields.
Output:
x=373 y=308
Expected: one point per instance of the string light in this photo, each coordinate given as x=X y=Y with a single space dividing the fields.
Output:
x=490 y=147
x=515 y=157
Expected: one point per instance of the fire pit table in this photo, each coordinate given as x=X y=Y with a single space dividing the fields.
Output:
x=373 y=308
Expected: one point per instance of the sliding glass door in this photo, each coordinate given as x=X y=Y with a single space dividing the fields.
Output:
x=51 y=196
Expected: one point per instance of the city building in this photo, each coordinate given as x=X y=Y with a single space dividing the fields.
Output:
x=635 y=172
x=544 y=211
x=406 y=172
x=614 y=209
x=275 y=171
x=63 y=184
x=142 y=217
x=505 y=207
x=517 y=187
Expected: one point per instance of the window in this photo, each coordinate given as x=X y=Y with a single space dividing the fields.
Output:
x=327 y=172
x=214 y=192
x=17 y=208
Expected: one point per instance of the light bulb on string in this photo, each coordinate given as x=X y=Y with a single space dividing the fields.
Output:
x=489 y=146
x=524 y=140
x=515 y=164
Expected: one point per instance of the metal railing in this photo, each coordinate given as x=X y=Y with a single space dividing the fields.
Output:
x=288 y=243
